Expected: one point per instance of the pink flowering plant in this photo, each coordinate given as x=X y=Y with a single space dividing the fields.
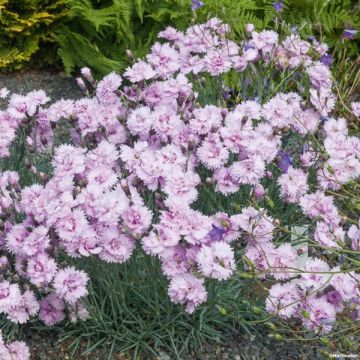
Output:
x=207 y=155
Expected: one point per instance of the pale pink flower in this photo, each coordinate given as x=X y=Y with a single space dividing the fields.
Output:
x=70 y=284
x=9 y=296
x=257 y=226
x=212 y=152
x=248 y=171
x=355 y=107
x=107 y=87
x=140 y=71
x=328 y=235
x=283 y=300
x=116 y=247
x=51 y=309
x=293 y=185
x=27 y=307
x=41 y=269
x=216 y=260
x=187 y=289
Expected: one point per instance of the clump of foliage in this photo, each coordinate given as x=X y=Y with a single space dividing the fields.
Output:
x=25 y=26
x=207 y=170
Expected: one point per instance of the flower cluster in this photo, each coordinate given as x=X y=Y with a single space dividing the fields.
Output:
x=142 y=141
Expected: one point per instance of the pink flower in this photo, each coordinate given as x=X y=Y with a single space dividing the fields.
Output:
x=257 y=226
x=266 y=40
x=248 y=171
x=9 y=296
x=51 y=309
x=70 y=284
x=355 y=107
x=320 y=75
x=205 y=119
x=140 y=121
x=216 y=261
x=278 y=112
x=282 y=261
x=306 y=121
x=173 y=261
x=226 y=182
x=68 y=160
x=37 y=241
x=322 y=315
x=41 y=269
x=323 y=100
x=72 y=225
x=284 y=300
x=328 y=235
x=164 y=59
x=139 y=71
x=187 y=289
x=181 y=186
x=17 y=350
x=217 y=62
x=62 y=109
x=293 y=185
x=315 y=273
x=137 y=219
x=107 y=87
x=158 y=240
x=347 y=284
x=354 y=235
x=318 y=205
x=212 y=153
x=116 y=247
x=27 y=307
x=15 y=239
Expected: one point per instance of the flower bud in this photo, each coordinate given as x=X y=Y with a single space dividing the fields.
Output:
x=80 y=83
x=259 y=191
x=86 y=73
x=129 y=54
x=249 y=28
x=4 y=264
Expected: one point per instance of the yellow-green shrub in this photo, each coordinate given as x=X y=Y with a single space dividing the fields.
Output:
x=24 y=25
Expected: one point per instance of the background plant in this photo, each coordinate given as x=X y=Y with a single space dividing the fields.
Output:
x=100 y=32
x=25 y=28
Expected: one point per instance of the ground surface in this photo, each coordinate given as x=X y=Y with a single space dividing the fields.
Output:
x=243 y=347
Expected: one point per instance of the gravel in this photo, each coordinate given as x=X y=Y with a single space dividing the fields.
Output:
x=57 y=85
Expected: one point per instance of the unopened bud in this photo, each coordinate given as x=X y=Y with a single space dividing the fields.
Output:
x=4 y=264
x=27 y=163
x=259 y=191
x=130 y=55
x=249 y=28
x=222 y=310
x=80 y=83
x=86 y=73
